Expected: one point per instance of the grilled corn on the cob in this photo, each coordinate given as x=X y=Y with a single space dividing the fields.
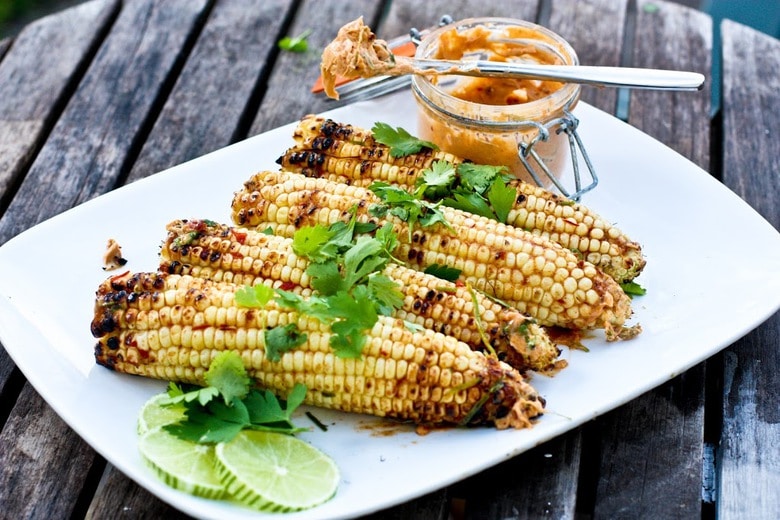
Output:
x=350 y=154
x=171 y=327
x=529 y=272
x=209 y=250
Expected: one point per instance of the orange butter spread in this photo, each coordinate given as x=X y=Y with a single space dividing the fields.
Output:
x=454 y=45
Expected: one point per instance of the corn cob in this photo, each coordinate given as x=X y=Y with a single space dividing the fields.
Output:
x=536 y=276
x=243 y=256
x=349 y=154
x=171 y=327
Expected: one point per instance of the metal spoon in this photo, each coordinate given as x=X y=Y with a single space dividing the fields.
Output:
x=628 y=77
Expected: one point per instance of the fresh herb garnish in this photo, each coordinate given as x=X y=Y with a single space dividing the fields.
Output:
x=633 y=289
x=350 y=290
x=217 y=412
x=410 y=208
x=477 y=188
x=296 y=44
x=400 y=142
x=444 y=272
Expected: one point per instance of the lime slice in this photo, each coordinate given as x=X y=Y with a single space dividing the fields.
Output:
x=184 y=465
x=153 y=414
x=276 y=472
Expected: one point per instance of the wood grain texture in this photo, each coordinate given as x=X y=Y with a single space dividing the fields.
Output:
x=86 y=150
x=595 y=29
x=406 y=14
x=651 y=453
x=750 y=440
x=43 y=463
x=541 y=483
x=208 y=103
x=34 y=83
x=288 y=95
x=670 y=36
x=119 y=498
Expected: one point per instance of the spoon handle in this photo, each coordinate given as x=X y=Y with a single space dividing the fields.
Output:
x=627 y=77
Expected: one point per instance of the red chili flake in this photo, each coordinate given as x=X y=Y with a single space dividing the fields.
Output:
x=287 y=286
x=240 y=236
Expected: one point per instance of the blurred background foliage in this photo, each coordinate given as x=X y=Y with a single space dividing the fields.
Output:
x=14 y=14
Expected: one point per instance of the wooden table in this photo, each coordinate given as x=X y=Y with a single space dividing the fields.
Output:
x=108 y=92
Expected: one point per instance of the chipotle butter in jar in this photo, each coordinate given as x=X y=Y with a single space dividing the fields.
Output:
x=492 y=120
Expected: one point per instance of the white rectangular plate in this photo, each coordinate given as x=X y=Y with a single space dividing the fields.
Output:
x=712 y=276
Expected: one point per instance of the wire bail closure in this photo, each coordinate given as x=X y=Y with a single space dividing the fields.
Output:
x=567 y=124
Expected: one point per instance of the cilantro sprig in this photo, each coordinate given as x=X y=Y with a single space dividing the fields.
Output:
x=350 y=292
x=409 y=207
x=481 y=189
x=478 y=188
x=229 y=404
x=400 y=142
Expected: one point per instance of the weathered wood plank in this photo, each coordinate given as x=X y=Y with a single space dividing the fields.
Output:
x=82 y=158
x=670 y=36
x=85 y=152
x=651 y=453
x=541 y=483
x=651 y=449
x=208 y=103
x=4 y=44
x=35 y=77
x=433 y=506
x=35 y=74
x=43 y=463
x=406 y=14
x=288 y=94
x=595 y=29
x=749 y=472
x=119 y=498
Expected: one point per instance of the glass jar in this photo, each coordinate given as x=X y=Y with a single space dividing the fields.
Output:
x=525 y=125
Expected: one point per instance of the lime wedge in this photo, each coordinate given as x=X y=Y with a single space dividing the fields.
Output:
x=276 y=472
x=184 y=465
x=153 y=414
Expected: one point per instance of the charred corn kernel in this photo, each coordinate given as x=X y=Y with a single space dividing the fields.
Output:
x=399 y=375
x=319 y=152
x=308 y=201
x=209 y=250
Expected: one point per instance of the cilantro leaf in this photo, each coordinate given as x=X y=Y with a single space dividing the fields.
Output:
x=296 y=44
x=281 y=339
x=310 y=242
x=326 y=277
x=633 y=289
x=441 y=173
x=502 y=198
x=409 y=208
x=256 y=296
x=228 y=376
x=358 y=314
x=444 y=272
x=471 y=202
x=478 y=177
x=385 y=291
x=400 y=142
x=264 y=408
